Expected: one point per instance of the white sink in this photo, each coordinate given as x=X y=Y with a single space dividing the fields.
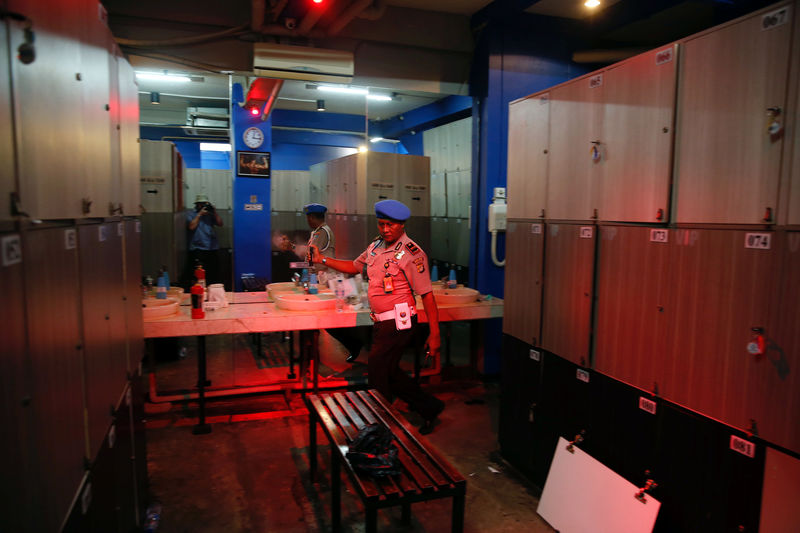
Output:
x=290 y=301
x=173 y=292
x=455 y=296
x=288 y=287
x=441 y=285
x=155 y=308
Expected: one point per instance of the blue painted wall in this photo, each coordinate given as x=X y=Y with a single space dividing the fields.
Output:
x=512 y=59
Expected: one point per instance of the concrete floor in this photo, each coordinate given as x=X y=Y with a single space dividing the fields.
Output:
x=250 y=474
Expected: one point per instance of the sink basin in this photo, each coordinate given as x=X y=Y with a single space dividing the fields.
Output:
x=153 y=308
x=290 y=301
x=173 y=292
x=455 y=296
x=288 y=287
x=441 y=285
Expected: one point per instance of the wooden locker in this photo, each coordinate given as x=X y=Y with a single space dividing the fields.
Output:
x=134 y=327
x=568 y=271
x=727 y=162
x=720 y=291
x=638 y=115
x=528 y=137
x=103 y=319
x=633 y=284
x=576 y=153
x=8 y=183
x=523 y=298
x=129 y=156
x=55 y=348
x=413 y=186
x=49 y=94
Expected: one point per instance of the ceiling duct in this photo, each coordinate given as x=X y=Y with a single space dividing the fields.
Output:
x=302 y=63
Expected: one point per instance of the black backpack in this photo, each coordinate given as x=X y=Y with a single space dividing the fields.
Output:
x=373 y=452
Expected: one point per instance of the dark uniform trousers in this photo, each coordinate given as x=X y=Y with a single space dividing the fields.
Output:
x=385 y=374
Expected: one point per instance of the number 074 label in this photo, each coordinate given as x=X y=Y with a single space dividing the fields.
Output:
x=760 y=241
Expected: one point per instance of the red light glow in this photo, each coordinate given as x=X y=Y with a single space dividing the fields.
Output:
x=317 y=1
x=254 y=111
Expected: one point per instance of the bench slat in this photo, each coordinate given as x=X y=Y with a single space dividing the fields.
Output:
x=417 y=451
x=386 y=484
x=407 y=480
x=367 y=488
x=429 y=451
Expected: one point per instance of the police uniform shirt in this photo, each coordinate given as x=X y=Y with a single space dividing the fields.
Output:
x=323 y=239
x=405 y=262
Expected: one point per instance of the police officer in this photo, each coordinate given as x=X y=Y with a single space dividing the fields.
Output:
x=395 y=266
x=323 y=239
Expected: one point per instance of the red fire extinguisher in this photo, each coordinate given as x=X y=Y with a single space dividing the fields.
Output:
x=197 y=301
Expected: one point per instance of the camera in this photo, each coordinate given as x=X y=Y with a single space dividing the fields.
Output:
x=207 y=206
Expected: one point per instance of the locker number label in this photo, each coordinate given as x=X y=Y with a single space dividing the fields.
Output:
x=776 y=18
x=647 y=405
x=664 y=56
x=596 y=81
x=253 y=207
x=536 y=355
x=587 y=232
x=659 y=235
x=744 y=447
x=120 y=229
x=759 y=241
x=102 y=233
x=536 y=229
x=138 y=226
x=70 y=240
x=12 y=250
x=582 y=375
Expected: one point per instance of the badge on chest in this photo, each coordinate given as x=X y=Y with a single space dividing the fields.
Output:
x=388 y=286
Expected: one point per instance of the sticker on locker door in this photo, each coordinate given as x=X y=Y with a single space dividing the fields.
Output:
x=776 y=18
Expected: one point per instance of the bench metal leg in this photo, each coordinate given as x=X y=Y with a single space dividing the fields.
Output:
x=372 y=519
x=458 y=513
x=312 y=444
x=336 y=490
x=406 y=516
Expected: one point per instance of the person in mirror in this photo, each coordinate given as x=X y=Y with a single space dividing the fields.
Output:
x=395 y=268
x=202 y=239
x=323 y=239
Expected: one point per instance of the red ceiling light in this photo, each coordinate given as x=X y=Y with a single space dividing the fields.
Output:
x=317 y=1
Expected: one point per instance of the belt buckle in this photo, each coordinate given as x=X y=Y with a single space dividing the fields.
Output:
x=373 y=317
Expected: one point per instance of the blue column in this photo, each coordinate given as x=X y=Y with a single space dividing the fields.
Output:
x=251 y=202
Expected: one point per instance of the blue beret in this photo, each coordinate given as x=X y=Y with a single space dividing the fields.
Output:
x=393 y=210
x=314 y=208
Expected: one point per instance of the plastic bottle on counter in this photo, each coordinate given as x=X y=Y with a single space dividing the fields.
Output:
x=148 y=282
x=435 y=273
x=452 y=283
x=166 y=275
x=339 y=294
x=312 y=284
x=161 y=288
x=197 y=301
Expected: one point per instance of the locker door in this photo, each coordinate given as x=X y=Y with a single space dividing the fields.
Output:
x=523 y=297
x=727 y=162
x=528 y=136
x=637 y=137
x=575 y=160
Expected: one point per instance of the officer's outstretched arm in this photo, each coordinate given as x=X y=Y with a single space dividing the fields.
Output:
x=434 y=340
x=342 y=265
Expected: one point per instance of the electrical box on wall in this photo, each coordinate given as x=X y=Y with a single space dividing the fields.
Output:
x=497 y=210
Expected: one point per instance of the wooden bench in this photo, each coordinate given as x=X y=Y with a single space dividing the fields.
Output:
x=425 y=474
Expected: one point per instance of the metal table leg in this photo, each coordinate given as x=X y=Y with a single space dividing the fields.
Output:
x=201 y=427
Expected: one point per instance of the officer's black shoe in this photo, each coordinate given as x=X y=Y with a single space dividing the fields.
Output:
x=430 y=420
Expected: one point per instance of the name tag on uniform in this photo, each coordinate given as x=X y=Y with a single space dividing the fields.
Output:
x=388 y=286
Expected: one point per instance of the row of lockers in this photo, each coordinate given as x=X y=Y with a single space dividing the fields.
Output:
x=449 y=146
x=72 y=332
x=354 y=183
x=70 y=118
x=709 y=476
x=698 y=131
x=680 y=311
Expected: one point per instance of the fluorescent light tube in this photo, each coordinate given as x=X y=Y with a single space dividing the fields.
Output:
x=154 y=76
x=215 y=147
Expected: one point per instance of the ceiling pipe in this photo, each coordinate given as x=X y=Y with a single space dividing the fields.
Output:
x=375 y=12
x=352 y=11
x=180 y=41
x=312 y=17
x=277 y=9
x=257 y=10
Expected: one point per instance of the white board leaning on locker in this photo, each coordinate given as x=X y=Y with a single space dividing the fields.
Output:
x=582 y=494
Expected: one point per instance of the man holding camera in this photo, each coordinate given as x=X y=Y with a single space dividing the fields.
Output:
x=202 y=238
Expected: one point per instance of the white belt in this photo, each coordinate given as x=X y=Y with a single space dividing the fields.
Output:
x=388 y=315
